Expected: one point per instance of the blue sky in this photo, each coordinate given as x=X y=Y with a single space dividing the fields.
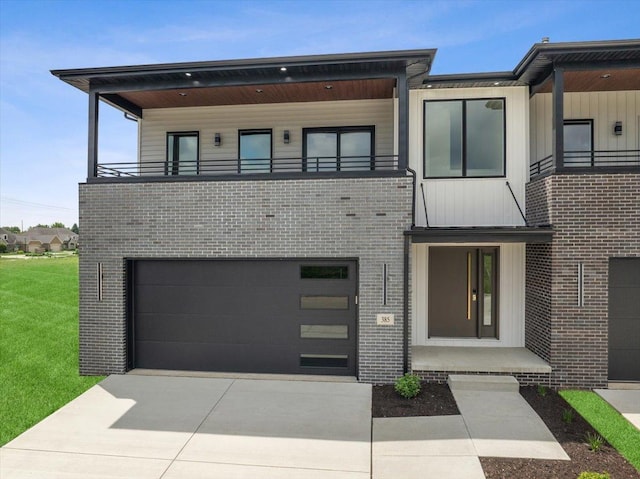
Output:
x=43 y=121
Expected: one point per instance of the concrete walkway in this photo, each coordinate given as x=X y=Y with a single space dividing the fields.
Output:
x=495 y=422
x=150 y=427
x=625 y=401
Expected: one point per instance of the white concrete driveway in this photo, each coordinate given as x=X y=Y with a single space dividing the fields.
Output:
x=151 y=427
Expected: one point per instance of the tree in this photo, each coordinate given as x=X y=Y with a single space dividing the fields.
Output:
x=13 y=229
x=41 y=226
x=57 y=224
x=75 y=228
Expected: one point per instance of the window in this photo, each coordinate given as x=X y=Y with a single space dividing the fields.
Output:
x=182 y=153
x=464 y=138
x=338 y=149
x=255 y=151
x=578 y=142
x=324 y=272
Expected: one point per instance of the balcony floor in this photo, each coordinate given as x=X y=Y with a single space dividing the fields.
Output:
x=477 y=359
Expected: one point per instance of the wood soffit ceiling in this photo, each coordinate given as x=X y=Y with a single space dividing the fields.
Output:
x=597 y=80
x=258 y=94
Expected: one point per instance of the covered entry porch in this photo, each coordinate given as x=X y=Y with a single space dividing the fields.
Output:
x=435 y=363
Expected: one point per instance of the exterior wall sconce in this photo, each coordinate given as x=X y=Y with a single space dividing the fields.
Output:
x=217 y=140
x=617 y=128
x=286 y=138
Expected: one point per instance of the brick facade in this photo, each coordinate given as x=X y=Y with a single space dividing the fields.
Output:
x=595 y=217
x=360 y=218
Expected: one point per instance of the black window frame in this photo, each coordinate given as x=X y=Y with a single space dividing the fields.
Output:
x=175 y=161
x=464 y=138
x=581 y=121
x=338 y=130
x=256 y=131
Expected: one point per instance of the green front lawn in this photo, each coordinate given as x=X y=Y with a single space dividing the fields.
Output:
x=618 y=432
x=38 y=341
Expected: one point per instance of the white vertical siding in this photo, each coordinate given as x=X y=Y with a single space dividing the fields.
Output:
x=511 y=299
x=227 y=120
x=473 y=201
x=603 y=107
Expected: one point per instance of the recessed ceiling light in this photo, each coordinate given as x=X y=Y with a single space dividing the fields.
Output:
x=259 y=90
x=283 y=69
x=182 y=94
x=606 y=75
x=187 y=74
x=328 y=87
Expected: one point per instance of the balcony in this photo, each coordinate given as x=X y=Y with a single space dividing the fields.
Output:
x=229 y=168
x=600 y=161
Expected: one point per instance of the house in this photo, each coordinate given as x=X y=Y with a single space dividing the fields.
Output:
x=354 y=215
x=40 y=238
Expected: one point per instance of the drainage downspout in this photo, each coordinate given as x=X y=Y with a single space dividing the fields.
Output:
x=405 y=285
x=405 y=310
x=413 y=198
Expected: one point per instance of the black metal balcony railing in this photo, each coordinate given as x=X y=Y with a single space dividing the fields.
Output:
x=609 y=160
x=230 y=167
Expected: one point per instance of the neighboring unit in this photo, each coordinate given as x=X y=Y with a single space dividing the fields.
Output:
x=352 y=215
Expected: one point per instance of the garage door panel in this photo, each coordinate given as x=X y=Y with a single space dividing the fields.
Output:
x=240 y=316
x=623 y=364
x=624 y=302
x=624 y=319
x=625 y=334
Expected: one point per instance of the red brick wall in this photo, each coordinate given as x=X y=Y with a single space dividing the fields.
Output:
x=595 y=217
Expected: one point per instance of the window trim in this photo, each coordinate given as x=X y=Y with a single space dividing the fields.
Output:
x=256 y=131
x=176 y=135
x=338 y=130
x=464 y=138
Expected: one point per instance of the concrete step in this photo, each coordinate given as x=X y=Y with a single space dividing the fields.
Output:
x=463 y=382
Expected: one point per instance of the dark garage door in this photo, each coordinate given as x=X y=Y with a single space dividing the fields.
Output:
x=624 y=319
x=244 y=316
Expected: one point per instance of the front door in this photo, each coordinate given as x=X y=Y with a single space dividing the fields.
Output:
x=463 y=292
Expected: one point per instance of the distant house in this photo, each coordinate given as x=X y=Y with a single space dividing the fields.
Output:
x=50 y=239
x=13 y=241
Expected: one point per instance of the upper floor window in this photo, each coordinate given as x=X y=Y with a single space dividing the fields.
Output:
x=182 y=153
x=578 y=142
x=464 y=138
x=255 y=151
x=349 y=148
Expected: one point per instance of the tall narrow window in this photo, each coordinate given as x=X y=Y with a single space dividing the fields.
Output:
x=339 y=149
x=255 y=151
x=182 y=153
x=578 y=142
x=464 y=138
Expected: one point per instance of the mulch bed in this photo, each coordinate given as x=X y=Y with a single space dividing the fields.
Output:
x=437 y=400
x=433 y=400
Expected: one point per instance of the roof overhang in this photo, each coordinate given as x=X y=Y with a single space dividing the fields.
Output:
x=498 y=234
x=612 y=65
x=363 y=75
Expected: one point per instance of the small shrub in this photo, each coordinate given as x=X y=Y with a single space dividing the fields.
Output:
x=594 y=440
x=408 y=386
x=3 y=248
x=542 y=390
x=568 y=415
x=19 y=252
x=594 y=475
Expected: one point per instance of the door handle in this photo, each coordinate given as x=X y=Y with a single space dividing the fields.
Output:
x=474 y=296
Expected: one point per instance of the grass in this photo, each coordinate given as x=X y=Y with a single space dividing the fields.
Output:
x=38 y=341
x=618 y=432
